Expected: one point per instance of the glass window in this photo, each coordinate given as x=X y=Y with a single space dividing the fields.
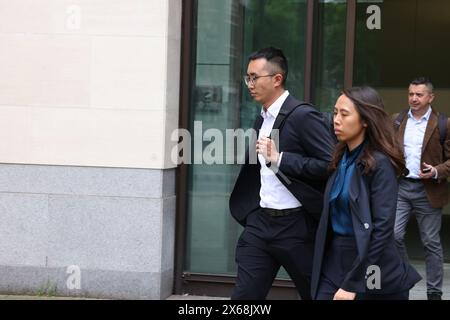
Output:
x=396 y=41
x=226 y=32
x=329 y=53
x=216 y=91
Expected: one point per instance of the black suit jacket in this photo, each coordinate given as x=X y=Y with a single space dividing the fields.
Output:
x=307 y=147
x=373 y=203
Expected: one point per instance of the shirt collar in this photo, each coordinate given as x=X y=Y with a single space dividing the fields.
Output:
x=350 y=156
x=426 y=116
x=274 y=109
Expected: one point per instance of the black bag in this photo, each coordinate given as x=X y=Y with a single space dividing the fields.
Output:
x=328 y=117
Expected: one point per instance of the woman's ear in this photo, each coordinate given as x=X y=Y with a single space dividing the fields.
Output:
x=364 y=125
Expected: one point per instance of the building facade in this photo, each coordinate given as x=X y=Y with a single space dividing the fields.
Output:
x=93 y=199
x=89 y=92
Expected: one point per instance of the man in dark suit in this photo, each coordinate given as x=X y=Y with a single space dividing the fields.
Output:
x=424 y=190
x=278 y=197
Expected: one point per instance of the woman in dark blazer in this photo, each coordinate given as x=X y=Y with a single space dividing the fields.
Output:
x=355 y=253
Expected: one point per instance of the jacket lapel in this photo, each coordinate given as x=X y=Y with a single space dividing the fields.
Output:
x=288 y=106
x=326 y=204
x=401 y=133
x=431 y=126
x=354 y=191
x=258 y=123
x=251 y=148
x=357 y=183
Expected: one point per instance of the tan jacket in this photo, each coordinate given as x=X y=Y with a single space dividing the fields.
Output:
x=432 y=153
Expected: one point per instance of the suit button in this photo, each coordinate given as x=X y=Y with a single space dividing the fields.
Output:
x=366 y=226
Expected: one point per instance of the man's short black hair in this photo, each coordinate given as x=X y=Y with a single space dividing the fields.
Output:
x=276 y=57
x=425 y=81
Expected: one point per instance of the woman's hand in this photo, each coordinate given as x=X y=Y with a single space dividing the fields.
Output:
x=341 y=294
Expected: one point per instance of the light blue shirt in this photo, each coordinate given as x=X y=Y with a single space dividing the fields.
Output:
x=413 y=142
x=273 y=193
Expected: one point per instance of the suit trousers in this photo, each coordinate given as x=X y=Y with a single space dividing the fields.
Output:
x=266 y=244
x=413 y=198
x=338 y=261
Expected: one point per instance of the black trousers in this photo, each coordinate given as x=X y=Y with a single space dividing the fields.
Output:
x=338 y=261
x=266 y=244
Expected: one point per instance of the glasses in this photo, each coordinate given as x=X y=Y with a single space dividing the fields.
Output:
x=252 y=79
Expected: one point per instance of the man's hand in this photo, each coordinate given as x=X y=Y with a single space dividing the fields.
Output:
x=341 y=294
x=266 y=147
x=428 y=171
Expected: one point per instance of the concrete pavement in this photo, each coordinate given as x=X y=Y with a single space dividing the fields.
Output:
x=417 y=293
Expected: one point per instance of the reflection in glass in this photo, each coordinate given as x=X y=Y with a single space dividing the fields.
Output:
x=330 y=53
x=227 y=31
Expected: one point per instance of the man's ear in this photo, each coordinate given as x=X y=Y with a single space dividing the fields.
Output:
x=278 y=79
x=432 y=97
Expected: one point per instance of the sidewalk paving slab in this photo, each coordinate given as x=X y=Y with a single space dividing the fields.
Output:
x=417 y=293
